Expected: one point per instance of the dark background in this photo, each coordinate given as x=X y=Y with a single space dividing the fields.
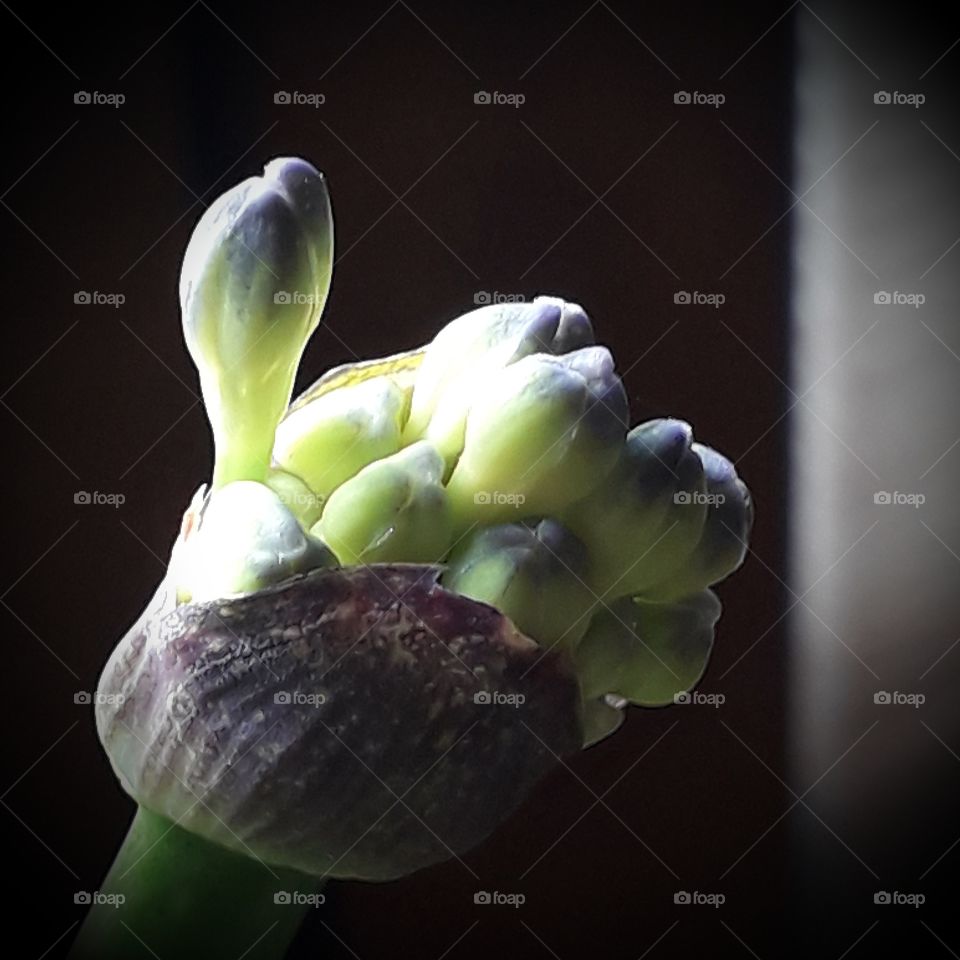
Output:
x=436 y=199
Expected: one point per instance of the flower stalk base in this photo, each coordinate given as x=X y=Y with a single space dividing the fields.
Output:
x=172 y=894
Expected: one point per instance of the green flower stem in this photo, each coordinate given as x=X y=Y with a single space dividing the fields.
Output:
x=185 y=898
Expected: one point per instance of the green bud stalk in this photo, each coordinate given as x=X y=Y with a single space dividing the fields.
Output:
x=185 y=897
x=254 y=281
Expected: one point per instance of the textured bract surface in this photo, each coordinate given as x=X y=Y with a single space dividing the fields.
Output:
x=358 y=723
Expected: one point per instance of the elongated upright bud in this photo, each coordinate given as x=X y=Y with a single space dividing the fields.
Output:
x=254 y=280
x=545 y=431
x=647 y=653
x=645 y=518
x=460 y=360
x=535 y=575
x=246 y=539
x=393 y=510
x=329 y=440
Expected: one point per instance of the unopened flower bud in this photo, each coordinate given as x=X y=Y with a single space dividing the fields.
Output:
x=296 y=496
x=647 y=653
x=459 y=362
x=393 y=510
x=246 y=539
x=574 y=330
x=535 y=575
x=331 y=438
x=254 y=280
x=545 y=431
x=399 y=368
x=645 y=518
x=722 y=545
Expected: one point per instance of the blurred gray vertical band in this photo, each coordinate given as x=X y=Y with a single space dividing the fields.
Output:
x=877 y=371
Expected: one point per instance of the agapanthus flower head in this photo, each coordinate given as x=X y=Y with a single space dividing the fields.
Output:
x=382 y=564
